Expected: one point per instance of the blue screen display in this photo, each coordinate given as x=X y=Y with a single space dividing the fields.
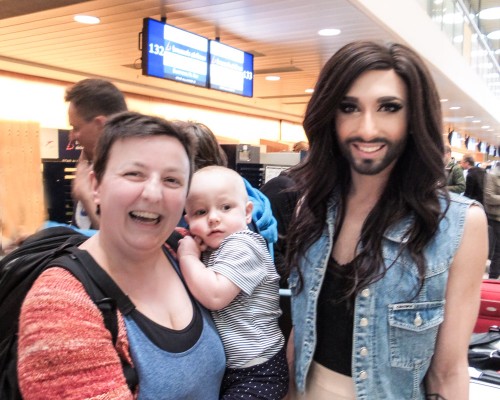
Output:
x=172 y=53
x=231 y=70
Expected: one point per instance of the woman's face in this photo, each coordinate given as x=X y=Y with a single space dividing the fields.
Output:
x=371 y=122
x=143 y=191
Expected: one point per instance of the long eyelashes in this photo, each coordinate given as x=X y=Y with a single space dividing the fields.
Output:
x=348 y=108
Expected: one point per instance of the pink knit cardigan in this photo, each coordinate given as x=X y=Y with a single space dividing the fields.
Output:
x=65 y=351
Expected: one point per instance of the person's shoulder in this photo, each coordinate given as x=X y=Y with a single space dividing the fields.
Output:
x=245 y=237
x=58 y=277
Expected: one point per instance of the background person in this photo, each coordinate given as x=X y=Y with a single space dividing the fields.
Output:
x=455 y=181
x=140 y=181
x=91 y=102
x=492 y=208
x=474 y=178
x=386 y=265
x=237 y=280
x=209 y=152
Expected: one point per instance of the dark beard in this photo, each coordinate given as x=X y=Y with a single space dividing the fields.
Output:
x=369 y=166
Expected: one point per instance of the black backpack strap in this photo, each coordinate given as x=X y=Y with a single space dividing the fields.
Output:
x=105 y=294
x=173 y=240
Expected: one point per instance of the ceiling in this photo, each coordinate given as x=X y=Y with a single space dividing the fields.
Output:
x=41 y=38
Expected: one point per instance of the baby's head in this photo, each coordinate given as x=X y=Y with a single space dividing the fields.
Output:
x=217 y=205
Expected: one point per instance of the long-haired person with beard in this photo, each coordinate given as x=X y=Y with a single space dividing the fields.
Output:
x=385 y=264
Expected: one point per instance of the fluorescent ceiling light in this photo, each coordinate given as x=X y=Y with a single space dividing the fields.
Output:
x=329 y=32
x=493 y=35
x=443 y=100
x=309 y=90
x=272 y=78
x=455 y=108
x=490 y=13
x=485 y=65
x=453 y=18
x=86 y=19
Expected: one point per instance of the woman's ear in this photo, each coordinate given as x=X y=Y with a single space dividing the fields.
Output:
x=248 y=211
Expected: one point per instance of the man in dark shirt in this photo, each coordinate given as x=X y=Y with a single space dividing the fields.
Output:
x=474 y=181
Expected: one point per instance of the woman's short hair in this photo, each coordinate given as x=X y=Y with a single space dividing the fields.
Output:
x=135 y=125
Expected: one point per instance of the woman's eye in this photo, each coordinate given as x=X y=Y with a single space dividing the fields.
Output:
x=347 y=108
x=391 y=107
x=132 y=173
x=171 y=181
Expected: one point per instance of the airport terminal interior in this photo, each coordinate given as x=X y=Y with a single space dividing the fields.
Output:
x=279 y=47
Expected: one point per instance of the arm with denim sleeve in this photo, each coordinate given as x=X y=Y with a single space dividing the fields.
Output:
x=448 y=374
x=64 y=350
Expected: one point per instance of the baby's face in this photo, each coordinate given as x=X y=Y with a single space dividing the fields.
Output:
x=216 y=208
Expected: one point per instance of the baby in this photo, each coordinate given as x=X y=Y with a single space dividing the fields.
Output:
x=237 y=280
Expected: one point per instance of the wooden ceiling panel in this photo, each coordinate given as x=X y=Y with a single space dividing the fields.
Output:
x=281 y=33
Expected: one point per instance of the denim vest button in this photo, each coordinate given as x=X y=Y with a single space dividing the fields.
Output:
x=363 y=351
x=363 y=375
x=418 y=320
x=365 y=292
x=363 y=322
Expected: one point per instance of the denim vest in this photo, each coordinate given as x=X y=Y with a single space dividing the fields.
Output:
x=394 y=328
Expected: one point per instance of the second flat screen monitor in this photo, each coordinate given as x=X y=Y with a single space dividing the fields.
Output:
x=231 y=70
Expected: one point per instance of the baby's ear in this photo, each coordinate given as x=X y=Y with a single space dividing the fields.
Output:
x=248 y=211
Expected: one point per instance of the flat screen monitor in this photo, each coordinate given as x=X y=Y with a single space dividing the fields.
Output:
x=231 y=70
x=173 y=53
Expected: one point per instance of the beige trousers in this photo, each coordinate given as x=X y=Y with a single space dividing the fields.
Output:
x=324 y=384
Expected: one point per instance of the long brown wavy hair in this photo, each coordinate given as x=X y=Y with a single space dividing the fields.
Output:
x=415 y=183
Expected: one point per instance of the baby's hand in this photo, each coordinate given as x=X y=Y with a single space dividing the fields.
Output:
x=189 y=246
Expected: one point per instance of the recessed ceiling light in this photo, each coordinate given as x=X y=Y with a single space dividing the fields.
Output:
x=272 y=78
x=490 y=13
x=453 y=18
x=486 y=65
x=493 y=35
x=309 y=90
x=443 y=100
x=86 y=19
x=455 y=108
x=485 y=127
x=329 y=32
x=477 y=121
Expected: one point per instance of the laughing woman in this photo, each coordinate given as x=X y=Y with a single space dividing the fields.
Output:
x=141 y=176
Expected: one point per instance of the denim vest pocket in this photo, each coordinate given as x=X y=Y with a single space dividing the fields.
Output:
x=413 y=330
